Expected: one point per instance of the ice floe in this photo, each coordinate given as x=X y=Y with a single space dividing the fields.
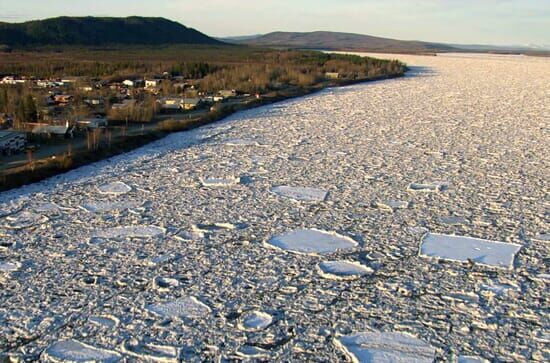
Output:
x=24 y=220
x=220 y=182
x=428 y=187
x=194 y=234
x=471 y=359
x=105 y=321
x=345 y=270
x=301 y=193
x=386 y=348
x=150 y=352
x=392 y=205
x=129 y=232
x=114 y=188
x=312 y=241
x=185 y=307
x=9 y=266
x=75 y=351
x=458 y=248
x=106 y=206
x=256 y=320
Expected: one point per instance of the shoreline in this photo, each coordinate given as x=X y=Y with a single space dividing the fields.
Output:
x=49 y=167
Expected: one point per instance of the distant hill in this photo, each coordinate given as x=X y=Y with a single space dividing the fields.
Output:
x=342 y=41
x=100 y=31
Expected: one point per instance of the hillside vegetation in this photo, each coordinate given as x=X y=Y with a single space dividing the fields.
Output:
x=342 y=41
x=100 y=31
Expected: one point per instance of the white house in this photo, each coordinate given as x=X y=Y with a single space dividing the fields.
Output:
x=133 y=83
x=152 y=83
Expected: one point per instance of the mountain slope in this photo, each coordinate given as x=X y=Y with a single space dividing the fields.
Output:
x=100 y=31
x=343 y=41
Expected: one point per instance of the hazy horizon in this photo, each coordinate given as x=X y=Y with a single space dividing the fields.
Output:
x=495 y=22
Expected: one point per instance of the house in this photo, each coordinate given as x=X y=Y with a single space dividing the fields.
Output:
x=191 y=103
x=176 y=103
x=228 y=93
x=123 y=105
x=62 y=99
x=152 y=83
x=92 y=123
x=64 y=131
x=134 y=83
x=12 y=80
x=332 y=75
x=12 y=141
x=5 y=121
x=92 y=102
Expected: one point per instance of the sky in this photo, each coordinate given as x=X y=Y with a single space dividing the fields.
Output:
x=497 y=22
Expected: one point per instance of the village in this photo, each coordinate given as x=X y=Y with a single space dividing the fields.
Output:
x=55 y=115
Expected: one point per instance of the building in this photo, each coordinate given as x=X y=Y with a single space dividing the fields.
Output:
x=177 y=103
x=12 y=142
x=64 y=131
x=124 y=105
x=12 y=80
x=92 y=123
x=332 y=75
x=228 y=93
x=134 y=83
x=153 y=83
x=62 y=99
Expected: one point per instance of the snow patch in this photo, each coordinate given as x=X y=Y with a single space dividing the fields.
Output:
x=458 y=248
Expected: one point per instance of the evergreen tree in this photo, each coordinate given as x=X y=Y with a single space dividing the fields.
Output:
x=4 y=101
x=30 y=109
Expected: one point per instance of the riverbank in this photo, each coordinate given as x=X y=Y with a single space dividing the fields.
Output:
x=40 y=169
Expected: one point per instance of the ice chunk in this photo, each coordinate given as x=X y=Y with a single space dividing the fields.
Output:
x=240 y=142
x=392 y=205
x=186 y=307
x=74 y=351
x=24 y=220
x=129 y=231
x=114 y=188
x=343 y=269
x=9 y=266
x=471 y=359
x=101 y=207
x=220 y=182
x=192 y=235
x=427 y=187
x=458 y=248
x=106 y=321
x=149 y=352
x=453 y=220
x=386 y=348
x=256 y=320
x=543 y=237
x=312 y=241
x=301 y=193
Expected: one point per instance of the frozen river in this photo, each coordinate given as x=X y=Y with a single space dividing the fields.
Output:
x=404 y=219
